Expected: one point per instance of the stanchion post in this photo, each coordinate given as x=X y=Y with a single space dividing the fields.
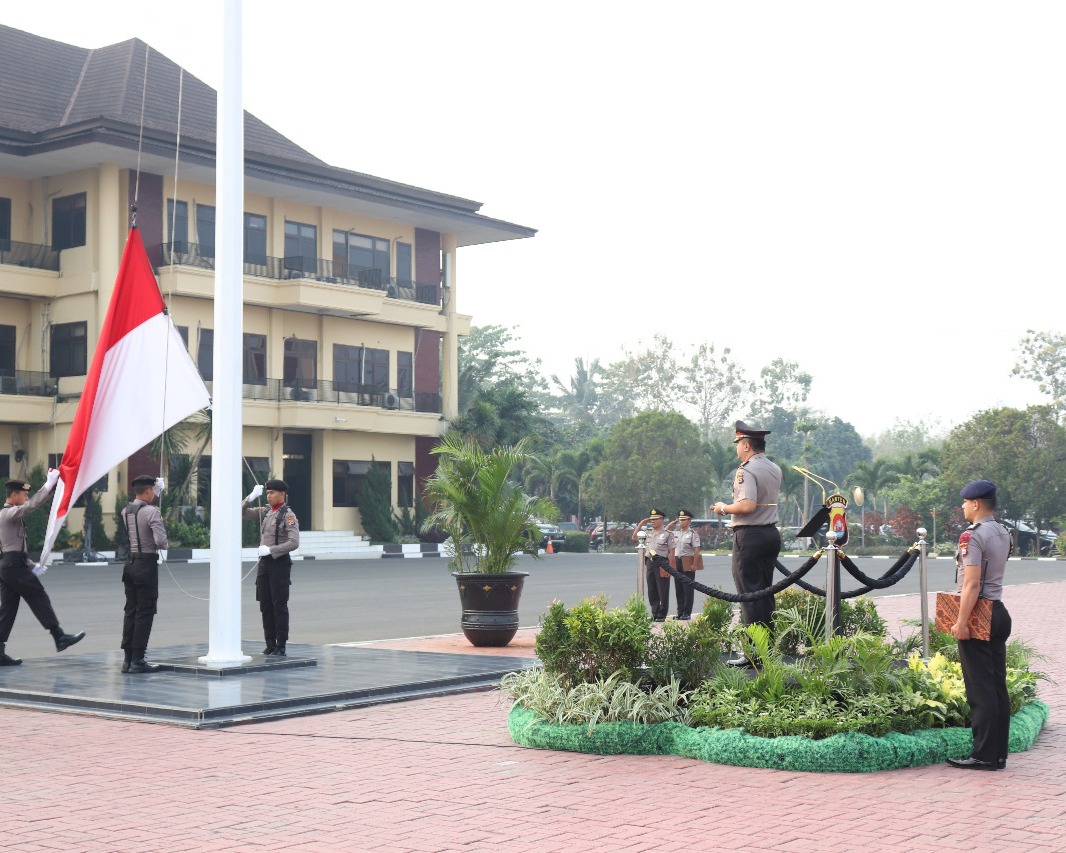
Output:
x=642 y=549
x=923 y=587
x=832 y=588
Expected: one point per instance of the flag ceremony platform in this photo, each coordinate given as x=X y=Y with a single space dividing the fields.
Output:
x=311 y=679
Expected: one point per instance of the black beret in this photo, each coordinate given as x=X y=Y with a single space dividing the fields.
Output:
x=978 y=489
x=276 y=486
x=656 y=513
x=684 y=513
x=143 y=481
x=745 y=431
x=18 y=486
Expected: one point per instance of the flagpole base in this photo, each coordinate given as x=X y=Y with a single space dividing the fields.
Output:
x=224 y=660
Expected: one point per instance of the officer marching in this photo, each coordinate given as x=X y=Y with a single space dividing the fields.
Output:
x=147 y=536
x=19 y=575
x=279 y=535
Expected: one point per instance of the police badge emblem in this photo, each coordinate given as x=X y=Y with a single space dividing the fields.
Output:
x=838 y=518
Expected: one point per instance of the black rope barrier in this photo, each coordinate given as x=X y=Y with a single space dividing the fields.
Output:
x=893 y=575
x=745 y=596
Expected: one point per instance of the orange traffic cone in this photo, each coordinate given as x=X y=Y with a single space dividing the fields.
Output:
x=549 y=549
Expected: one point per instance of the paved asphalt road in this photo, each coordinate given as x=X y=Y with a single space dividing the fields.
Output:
x=352 y=600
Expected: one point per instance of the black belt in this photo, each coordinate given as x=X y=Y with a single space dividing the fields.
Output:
x=137 y=555
x=750 y=526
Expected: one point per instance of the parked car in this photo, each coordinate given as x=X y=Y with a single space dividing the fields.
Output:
x=551 y=533
x=596 y=531
x=568 y=525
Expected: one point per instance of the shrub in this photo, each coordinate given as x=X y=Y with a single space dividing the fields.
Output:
x=182 y=535
x=686 y=652
x=577 y=542
x=590 y=643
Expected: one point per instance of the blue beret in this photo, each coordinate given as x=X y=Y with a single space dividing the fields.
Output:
x=978 y=489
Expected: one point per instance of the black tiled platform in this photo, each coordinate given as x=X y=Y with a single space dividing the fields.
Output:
x=182 y=694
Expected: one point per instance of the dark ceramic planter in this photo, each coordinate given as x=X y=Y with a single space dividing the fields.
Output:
x=490 y=606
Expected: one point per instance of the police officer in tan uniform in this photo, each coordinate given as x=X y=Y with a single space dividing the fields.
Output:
x=981 y=562
x=659 y=553
x=756 y=539
x=140 y=575
x=687 y=557
x=19 y=575
x=279 y=534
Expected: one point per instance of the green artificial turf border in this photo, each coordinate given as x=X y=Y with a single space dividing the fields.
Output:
x=843 y=753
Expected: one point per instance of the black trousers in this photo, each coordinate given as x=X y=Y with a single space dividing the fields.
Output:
x=140 y=578
x=984 y=669
x=272 y=592
x=755 y=550
x=685 y=595
x=17 y=582
x=658 y=587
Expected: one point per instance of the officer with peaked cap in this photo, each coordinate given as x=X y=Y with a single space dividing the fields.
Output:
x=660 y=552
x=981 y=561
x=279 y=535
x=140 y=575
x=19 y=576
x=687 y=556
x=756 y=539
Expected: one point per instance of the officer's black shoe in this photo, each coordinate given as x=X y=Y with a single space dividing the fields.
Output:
x=269 y=650
x=65 y=641
x=141 y=665
x=279 y=652
x=6 y=659
x=972 y=763
x=1001 y=764
x=126 y=665
x=739 y=660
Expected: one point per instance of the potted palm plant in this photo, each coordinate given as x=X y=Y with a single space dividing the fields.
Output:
x=488 y=521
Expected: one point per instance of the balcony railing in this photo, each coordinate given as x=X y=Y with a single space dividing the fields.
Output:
x=29 y=255
x=339 y=393
x=318 y=269
x=27 y=383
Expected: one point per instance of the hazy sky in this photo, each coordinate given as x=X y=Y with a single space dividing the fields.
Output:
x=873 y=190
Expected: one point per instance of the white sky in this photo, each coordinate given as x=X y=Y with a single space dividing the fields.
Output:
x=873 y=190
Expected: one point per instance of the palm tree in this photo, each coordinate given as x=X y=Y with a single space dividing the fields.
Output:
x=579 y=396
x=875 y=476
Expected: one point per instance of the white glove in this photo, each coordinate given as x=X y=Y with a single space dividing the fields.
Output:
x=159 y=486
x=253 y=494
x=52 y=478
x=39 y=570
x=264 y=551
x=163 y=554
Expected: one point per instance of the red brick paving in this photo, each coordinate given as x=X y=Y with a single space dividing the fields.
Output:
x=442 y=775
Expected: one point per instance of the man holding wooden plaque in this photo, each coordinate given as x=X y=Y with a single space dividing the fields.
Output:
x=981 y=561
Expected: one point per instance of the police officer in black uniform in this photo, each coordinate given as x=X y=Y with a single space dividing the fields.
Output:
x=19 y=576
x=279 y=534
x=981 y=560
x=756 y=539
x=140 y=576
x=659 y=553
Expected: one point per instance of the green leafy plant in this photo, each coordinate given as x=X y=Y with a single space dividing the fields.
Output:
x=486 y=516
x=577 y=542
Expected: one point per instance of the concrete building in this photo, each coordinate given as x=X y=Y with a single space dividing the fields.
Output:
x=350 y=327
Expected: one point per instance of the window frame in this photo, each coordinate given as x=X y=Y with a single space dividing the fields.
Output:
x=63 y=337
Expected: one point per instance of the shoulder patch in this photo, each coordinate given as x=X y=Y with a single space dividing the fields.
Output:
x=964 y=543
x=290 y=517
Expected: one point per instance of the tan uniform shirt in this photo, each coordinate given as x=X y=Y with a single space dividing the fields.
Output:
x=280 y=534
x=13 y=522
x=149 y=534
x=757 y=480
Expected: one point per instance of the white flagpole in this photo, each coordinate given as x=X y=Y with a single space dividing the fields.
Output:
x=225 y=608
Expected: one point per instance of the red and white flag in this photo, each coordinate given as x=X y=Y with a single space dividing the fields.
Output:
x=141 y=382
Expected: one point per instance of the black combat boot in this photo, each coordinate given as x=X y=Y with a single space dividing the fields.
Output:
x=279 y=650
x=139 y=665
x=6 y=659
x=127 y=659
x=65 y=641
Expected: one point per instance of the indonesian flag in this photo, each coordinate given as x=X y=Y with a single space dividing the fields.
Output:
x=141 y=382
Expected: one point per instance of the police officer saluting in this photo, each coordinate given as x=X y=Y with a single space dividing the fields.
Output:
x=756 y=539
x=659 y=553
x=279 y=534
x=981 y=560
x=19 y=576
x=140 y=576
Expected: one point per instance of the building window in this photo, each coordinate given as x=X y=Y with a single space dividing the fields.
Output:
x=255 y=359
x=255 y=238
x=203 y=481
x=5 y=224
x=68 y=349
x=184 y=332
x=349 y=478
x=178 y=224
x=205 y=230
x=405 y=484
x=404 y=274
x=7 y=350
x=362 y=369
x=205 y=354
x=5 y=465
x=301 y=363
x=361 y=257
x=301 y=247
x=68 y=222
x=405 y=374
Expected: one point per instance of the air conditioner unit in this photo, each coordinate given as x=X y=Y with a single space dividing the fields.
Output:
x=392 y=401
